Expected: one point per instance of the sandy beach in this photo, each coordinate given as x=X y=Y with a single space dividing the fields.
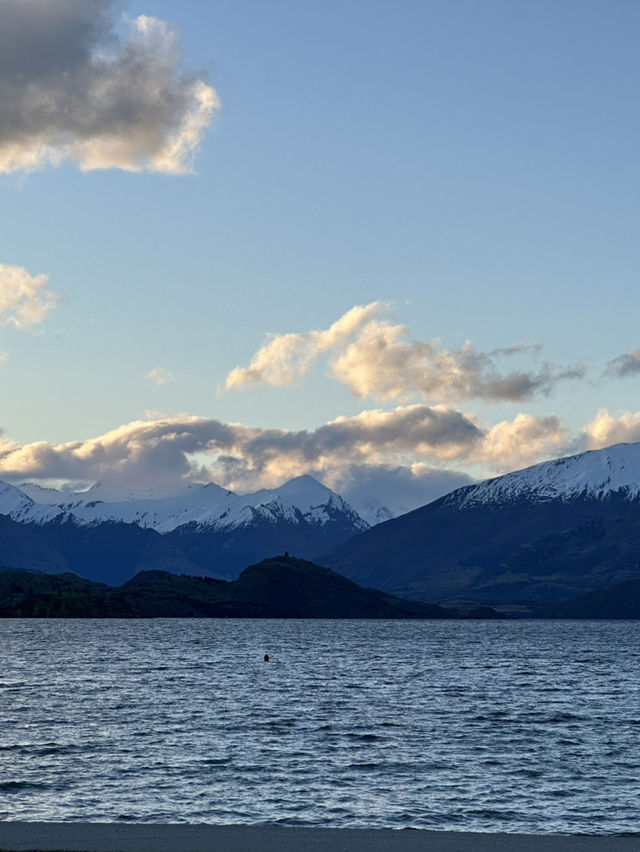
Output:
x=110 y=837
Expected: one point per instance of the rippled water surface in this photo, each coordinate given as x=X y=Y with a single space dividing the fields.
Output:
x=488 y=726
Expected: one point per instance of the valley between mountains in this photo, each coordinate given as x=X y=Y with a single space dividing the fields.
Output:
x=559 y=539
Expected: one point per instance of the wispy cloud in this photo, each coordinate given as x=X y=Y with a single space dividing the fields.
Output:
x=624 y=365
x=25 y=299
x=160 y=376
x=375 y=358
x=71 y=87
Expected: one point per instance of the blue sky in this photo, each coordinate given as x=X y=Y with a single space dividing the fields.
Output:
x=470 y=167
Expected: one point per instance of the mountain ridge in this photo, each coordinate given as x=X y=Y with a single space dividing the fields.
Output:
x=205 y=529
x=546 y=533
x=278 y=587
x=593 y=473
x=302 y=499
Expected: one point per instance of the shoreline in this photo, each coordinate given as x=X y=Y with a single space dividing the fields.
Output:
x=158 y=837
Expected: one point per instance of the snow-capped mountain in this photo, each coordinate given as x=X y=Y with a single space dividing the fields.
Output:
x=546 y=533
x=301 y=500
x=203 y=529
x=597 y=474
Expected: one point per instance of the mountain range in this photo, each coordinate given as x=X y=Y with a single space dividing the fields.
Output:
x=529 y=541
x=203 y=530
x=302 y=500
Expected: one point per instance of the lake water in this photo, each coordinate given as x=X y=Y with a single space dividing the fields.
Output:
x=482 y=726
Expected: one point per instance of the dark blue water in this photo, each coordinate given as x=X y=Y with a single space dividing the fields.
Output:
x=484 y=726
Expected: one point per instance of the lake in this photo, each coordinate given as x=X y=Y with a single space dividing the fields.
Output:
x=520 y=726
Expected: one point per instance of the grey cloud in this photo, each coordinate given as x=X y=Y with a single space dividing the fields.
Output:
x=400 y=489
x=624 y=365
x=518 y=387
x=403 y=428
x=48 y=37
x=72 y=87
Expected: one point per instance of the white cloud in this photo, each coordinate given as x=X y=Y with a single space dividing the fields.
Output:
x=24 y=299
x=285 y=358
x=605 y=429
x=72 y=88
x=374 y=358
x=160 y=376
x=523 y=441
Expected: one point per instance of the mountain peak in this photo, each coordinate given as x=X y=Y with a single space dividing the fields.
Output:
x=304 y=486
x=595 y=474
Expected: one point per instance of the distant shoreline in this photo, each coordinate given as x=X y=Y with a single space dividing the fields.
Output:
x=155 y=837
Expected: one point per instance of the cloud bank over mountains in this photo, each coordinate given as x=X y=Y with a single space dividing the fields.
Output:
x=374 y=358
x=74 y=86
x=397 y=452
x=238 y=456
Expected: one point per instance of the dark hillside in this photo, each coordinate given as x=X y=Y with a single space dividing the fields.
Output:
x=281 y=587
x=520 y=551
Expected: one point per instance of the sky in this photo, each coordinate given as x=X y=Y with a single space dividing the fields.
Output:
x=390 y=244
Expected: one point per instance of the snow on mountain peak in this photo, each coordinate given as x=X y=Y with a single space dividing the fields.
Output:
x=12 y=499
x=304 y=486
x=306 y=493
x=20 y=507
x=301 y=500
x=596 y=474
